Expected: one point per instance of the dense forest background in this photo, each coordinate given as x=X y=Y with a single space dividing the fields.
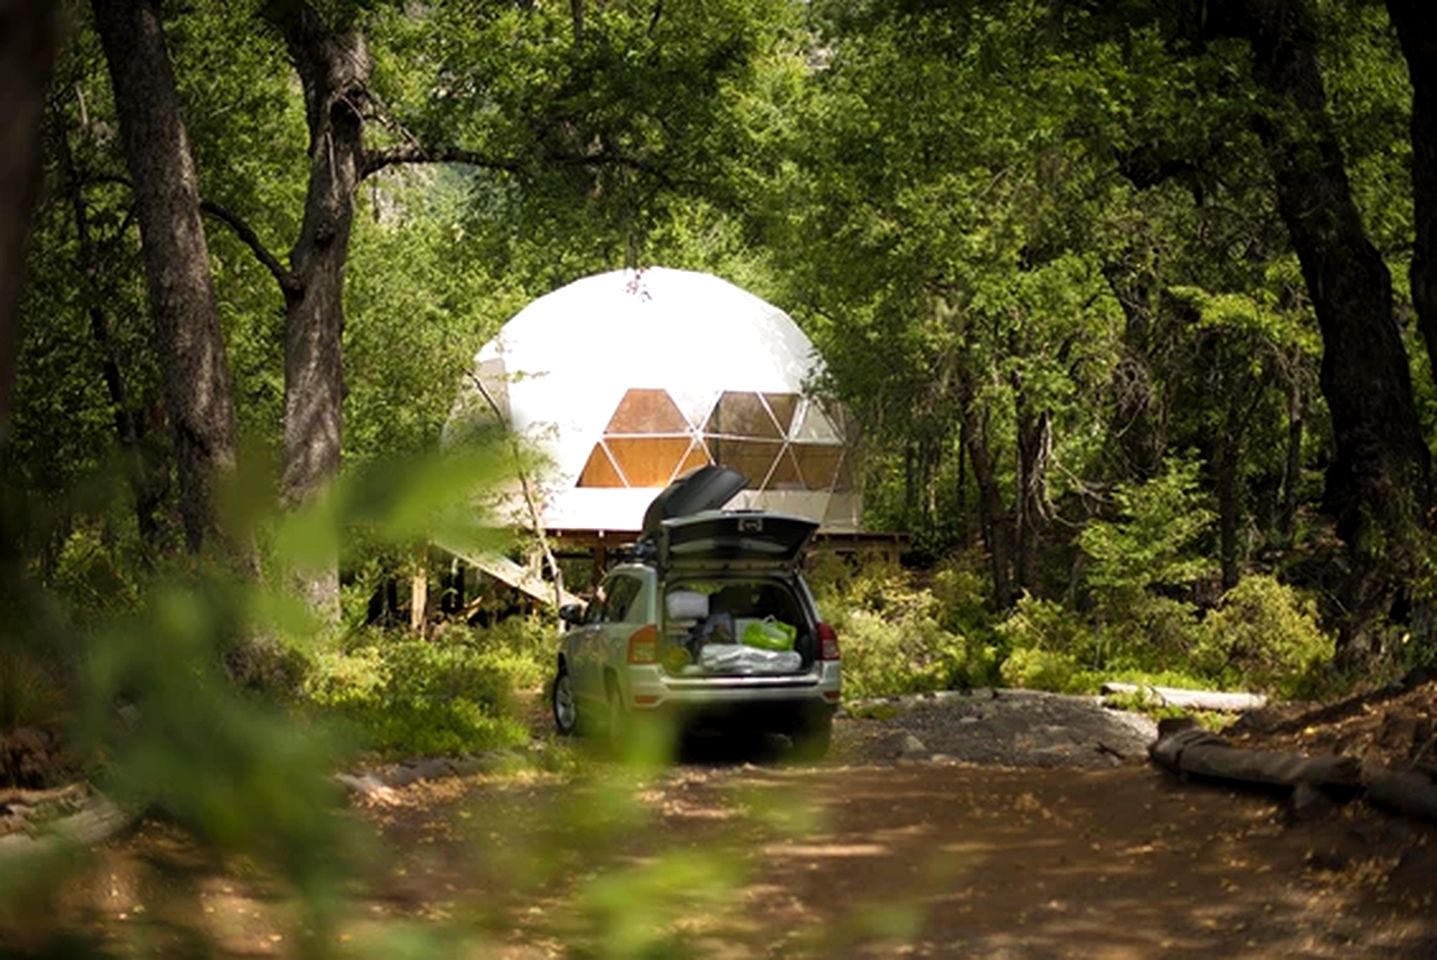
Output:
x=1109 y=290
x=1135 y=306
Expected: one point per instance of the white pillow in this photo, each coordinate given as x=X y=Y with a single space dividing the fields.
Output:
x=687 y=605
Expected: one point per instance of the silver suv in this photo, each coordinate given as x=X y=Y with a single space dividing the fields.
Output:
x=710 y=624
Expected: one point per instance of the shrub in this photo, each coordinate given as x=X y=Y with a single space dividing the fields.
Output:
x=524 y=647
x=1052 y=670
x=894 y=640
x=1038 y=624
x=883 y=657
x=408 y=696
x=1264 y=635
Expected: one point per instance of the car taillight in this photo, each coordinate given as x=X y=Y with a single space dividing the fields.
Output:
x=644 y=645
x=827 y=642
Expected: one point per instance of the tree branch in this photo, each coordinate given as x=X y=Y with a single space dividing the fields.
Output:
x=287 y=281
x=376 y=160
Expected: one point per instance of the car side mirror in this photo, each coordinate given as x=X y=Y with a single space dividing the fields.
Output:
x=572 y=614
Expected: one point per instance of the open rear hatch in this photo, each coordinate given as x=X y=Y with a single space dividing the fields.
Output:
x=732 y=608
x=733 y=538
x=684 y=525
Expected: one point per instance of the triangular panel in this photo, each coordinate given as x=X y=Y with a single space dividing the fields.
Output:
x=752 y=458
x=819 y=463
x=814 y=426
x=600 y=471
x=785 y=475
x=742 y=414
x=782 y=406
x=698 y=456
x=647 y=411
x=648 y=461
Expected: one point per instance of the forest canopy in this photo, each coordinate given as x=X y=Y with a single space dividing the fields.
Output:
x=1130 y=304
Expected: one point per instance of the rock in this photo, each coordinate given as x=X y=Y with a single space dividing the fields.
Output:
x=911 y=747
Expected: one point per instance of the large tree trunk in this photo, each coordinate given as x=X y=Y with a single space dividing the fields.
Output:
x=992 y=517
x=333 y=67
x=1030 y=505
x=182 y=300
x=27 y=36
x=1377 y=484
x=1417 y=31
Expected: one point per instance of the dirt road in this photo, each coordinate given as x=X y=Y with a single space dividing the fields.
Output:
x=892 y=853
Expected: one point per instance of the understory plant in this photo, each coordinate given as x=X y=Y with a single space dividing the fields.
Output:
x=897 y=636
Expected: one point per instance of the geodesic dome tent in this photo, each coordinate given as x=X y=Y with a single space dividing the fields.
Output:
x=626 y=380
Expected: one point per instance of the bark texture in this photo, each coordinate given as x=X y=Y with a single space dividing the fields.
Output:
x=334 y=68
x=1417 y=32
x=1378 y=482
x=176 y=257
x=992 y=515
x=27 y=38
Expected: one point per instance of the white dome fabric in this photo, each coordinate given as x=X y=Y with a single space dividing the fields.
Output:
x=625 y=380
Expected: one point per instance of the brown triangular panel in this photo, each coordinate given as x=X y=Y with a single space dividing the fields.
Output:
x=648 y=461
x=742 y=414
x=819 y=463
x=783 y=406
x=785 y=475
x=752 y=458
x=600 y=471
x=698 y=456
x=647 y=411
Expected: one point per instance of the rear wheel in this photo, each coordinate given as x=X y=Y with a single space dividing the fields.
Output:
x=813 y=737
x=566 y=708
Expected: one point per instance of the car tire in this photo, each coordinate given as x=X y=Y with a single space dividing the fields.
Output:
x=813 y=737
x=564 y=704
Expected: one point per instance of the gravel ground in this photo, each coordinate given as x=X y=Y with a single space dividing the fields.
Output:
x=1017 y=728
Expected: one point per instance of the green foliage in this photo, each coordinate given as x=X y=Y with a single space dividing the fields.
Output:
x=406 y=697
x=1155 y=537
x=232 y=770
x=893 y=636
x=93 y=573
x=1264 y=635
x=1046 y=670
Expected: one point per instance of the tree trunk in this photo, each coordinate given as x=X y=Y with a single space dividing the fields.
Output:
x=1417 y=31
x=1292 y=471
x=1137 y=421
x=333 y=67
x=146 y=487
x=1030 y=505
x=992 y=518
x=182 y=300
x=27 y=37
x=1378 y=482
x=1226 y=466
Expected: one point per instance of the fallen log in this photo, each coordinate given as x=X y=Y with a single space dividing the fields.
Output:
x=1200 y=753
x=1214 y=700
x=97 y=821
x=1403 y=791
x=15 y=796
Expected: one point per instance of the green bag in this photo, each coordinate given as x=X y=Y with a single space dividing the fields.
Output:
x=769 y=634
